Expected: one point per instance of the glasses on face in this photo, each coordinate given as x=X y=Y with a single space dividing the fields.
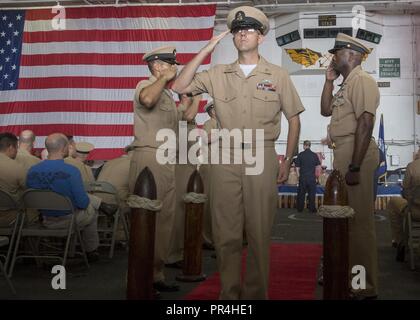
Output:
x=244 y=31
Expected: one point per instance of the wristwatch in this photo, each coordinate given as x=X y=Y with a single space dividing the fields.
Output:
x=288 y=159
x=353 y=168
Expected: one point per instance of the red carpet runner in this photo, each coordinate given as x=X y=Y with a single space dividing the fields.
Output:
x=292 y=274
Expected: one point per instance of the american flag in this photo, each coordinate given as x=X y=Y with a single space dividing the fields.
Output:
x=81 y=80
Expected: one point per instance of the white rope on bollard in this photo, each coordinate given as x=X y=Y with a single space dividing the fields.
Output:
x=134 y=201
x=193 y=197
x=335 y=211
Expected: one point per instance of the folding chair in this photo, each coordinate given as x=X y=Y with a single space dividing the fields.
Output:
x=4 y=241
x=411 y=225
x=8 y=203
x=104 y=187
x=48 y=200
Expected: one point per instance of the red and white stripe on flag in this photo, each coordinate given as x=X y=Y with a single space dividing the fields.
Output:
x=81 y=80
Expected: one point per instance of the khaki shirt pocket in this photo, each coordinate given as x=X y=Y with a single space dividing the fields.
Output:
x=225 y=106
x=225 y=97
x=266 y=105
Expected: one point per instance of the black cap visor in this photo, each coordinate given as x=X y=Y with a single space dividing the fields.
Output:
x=246 y=23
x=346 y=45
x=166 y=57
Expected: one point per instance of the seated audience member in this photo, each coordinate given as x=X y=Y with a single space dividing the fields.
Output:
x=293 y=176
x=44 y=154
x=322 y=179
x=115 y=172
x=396 y=206
x=77 y=156
x=12 y=174
x=54 y=174
x=24 y=154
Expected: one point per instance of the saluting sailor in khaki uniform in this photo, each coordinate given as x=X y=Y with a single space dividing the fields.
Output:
x=155 y=109
x=250 y=93
x=182 y=175
x=352 y=110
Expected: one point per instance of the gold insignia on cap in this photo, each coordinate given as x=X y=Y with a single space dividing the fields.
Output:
x=240 y=15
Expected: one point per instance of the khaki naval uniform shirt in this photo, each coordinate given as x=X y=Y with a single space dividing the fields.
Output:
x=253 y=102
x=147 y=122
x=411 y=180
x=12 y=176
x=116 y=172
x=85 y=171
x=293 y=178
x=359 y=93
x=26 y=159
x=323 y=179
x=209 y=125
x=12 y=180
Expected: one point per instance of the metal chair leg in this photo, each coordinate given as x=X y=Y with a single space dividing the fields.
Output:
x=15 y=251
x=114 y=233
x=82 y=246
x=410 y=241
x=3 y=271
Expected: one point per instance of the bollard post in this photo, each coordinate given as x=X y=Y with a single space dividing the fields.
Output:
x=193 y=238
x=142 y=242
x=336 y=242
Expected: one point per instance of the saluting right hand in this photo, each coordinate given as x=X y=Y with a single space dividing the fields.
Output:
x=331 y=73
x=170 y=73
x=214 y=41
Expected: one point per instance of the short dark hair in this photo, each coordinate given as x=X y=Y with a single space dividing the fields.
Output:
x=7 y=139
x=307 y=143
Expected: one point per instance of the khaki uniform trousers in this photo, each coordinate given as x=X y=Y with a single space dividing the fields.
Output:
x=238 y=201
x=164 y=176
x=362 y=232
x=207 y=232
x=396 y=208
x=176 y=244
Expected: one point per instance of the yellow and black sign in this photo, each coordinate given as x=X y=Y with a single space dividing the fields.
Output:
x=306 y=57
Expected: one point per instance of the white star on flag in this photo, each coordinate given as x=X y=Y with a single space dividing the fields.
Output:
x=18 y=17
x=4 y=17
x=11 y=84
x=14 y=50
x=16 y=33
x=7 y=59
x=6 y=76
x=2 y=51
x=14 y=67
x=10 y=25
x=3 y=34
x=8 y=42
